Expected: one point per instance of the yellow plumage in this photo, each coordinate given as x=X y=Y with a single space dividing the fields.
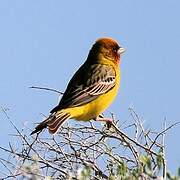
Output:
x=92 y=88
x=97 y=106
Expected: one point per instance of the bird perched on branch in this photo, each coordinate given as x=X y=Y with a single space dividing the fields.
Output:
x=92 y=88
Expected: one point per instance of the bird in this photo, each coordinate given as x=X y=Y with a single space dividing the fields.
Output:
x=91 y=90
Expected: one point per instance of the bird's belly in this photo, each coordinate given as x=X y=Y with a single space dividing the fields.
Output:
x=94 y=108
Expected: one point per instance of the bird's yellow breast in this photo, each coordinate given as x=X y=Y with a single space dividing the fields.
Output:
x=94 y=108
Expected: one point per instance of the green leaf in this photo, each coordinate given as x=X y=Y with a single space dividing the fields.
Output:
x=179 y=171
x=146 y=160
x=159 y=160
x=122 y=169
x=85 y=173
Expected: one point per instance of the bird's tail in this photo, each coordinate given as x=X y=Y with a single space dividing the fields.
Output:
x=53 y=122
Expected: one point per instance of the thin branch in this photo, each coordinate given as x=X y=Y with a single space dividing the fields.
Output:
x=47 y=89
x=163 y=153
x=162 y=132
x=4 y=111
x=133 y=141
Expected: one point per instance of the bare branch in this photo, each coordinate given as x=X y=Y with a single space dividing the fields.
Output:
x=47 y=89
x=85 y=149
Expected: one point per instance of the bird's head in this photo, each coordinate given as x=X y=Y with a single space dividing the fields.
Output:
x=106 y=49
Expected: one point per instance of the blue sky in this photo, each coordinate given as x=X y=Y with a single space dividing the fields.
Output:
x=44 y=42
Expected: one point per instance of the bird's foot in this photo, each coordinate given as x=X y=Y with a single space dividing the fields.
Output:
x=108 y=121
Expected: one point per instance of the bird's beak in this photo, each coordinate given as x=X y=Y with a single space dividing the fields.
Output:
x=121 y=50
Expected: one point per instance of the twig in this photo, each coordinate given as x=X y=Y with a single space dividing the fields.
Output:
x=47 y=89
x=162 y=132
x=4 y=111
x=163 y=153
x=133 y=141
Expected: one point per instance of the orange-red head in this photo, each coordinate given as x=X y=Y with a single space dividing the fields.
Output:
x=106 y=49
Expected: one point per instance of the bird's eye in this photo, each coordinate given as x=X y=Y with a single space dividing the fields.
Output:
x=115 y=50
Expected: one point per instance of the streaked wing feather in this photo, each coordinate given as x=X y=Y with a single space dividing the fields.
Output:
x=103 y=86
x=101 y=78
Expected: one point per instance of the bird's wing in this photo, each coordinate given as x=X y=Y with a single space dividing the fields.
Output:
x=87 y=84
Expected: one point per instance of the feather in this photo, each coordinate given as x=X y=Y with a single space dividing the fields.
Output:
x=84 y=87
x=53 y=122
